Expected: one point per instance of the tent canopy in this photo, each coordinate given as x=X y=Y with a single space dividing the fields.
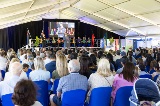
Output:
x=123 y=17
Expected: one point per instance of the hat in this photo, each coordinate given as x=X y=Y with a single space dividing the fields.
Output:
x=123 y=53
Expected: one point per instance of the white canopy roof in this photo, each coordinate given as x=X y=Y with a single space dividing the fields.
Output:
x=123 y=17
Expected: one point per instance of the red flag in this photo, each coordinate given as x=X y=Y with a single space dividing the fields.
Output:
x=93 y=40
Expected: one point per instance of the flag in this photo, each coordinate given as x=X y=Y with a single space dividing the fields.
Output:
x=105 y=38
x=93 y=40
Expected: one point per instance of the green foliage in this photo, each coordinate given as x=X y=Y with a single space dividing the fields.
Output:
x=111 y=40
x=37 y=42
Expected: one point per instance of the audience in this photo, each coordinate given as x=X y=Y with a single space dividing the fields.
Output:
x=82 y=63
x=61 y=66
x=7 y=86
x=72 y=81
x=40 y=72
x=103 y=77
x=51 y=66
x=84 y=67
x=25 y=94
x=125 y=78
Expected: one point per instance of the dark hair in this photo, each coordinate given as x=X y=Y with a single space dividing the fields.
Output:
x=52 y=56
x=84 y=65
x=109 y=57
x=128 y=72
x=142 y=67
x=93 y=59
x=124 y=60
x=34 y=54
x=139 y=61
x=130 y=53
x=158 y=57
x=24 y=93
x=25 y=66
x=118 y=52
x=73 y=55
x=149 y=59
x=100 y=53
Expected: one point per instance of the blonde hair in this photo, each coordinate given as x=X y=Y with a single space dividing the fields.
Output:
x=104 y=68
x=14 y=60
x=61 y=64
x=16 y=68
x=39 y=64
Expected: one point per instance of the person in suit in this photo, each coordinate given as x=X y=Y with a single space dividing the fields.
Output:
x=43 y=37
x=66 y=41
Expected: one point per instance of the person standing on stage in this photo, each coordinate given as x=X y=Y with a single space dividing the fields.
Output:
x=43 y=38
x=84 y=41
x=89 y=42
x=58 y=41
x=73 y=41
x=66 y=41
x=79 y=42
x=53 y=42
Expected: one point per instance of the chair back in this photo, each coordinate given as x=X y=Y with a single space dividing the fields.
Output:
x=42 y=92
x=7 y=100
x=146 y=76
x=3 y=73
x=29 y=70
x=122 y=96
x=155 y=78
x=74 y=98
x=100 y=96
x=152 y=71
x=56 y=82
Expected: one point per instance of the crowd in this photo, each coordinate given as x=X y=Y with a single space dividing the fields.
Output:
x=84 y=69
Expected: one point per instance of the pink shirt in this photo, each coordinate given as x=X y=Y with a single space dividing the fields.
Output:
x=118 y=82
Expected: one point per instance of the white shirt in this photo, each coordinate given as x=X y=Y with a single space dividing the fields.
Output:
x=23 y=75
x=7 y=86
x=35 y=104
x=46 y=61
x=22 y=57
x=40 y=74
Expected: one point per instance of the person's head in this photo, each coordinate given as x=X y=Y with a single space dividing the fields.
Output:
x=136 y=72
x=142 y=67
x=128 y=72
x=104 y=67
x=109 y=57
x=39 y=64
x=124 y=60
x=152 y=64
x=73 y=55
x=149 y=59
x=25 y=67
x=156 y=67
x=14 y=60
x=100 y=53
x=140 y=61
x=118 y=52
x=73 y=66
x=61 y=65
x=93 y=59
x=15 y=68
x=84 y=65
x=24 y=93
x=130 y=54
x=52 y=56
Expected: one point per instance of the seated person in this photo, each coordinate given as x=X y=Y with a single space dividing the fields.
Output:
x=25 y=94
x=72 y=81
x=125 y=78
x=39 y=73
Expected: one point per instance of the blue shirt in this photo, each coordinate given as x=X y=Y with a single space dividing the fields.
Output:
x=51 y=66
x=72 y=81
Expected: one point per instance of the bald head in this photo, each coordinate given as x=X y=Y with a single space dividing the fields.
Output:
x=73 y=65
x=16 y=68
